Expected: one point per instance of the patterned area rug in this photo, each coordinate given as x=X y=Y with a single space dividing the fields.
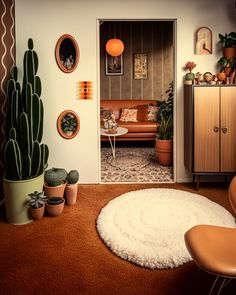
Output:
x=147 y=226
x=133 y=164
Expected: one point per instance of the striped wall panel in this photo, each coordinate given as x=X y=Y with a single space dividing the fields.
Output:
x=7 y=55
x=156 y=39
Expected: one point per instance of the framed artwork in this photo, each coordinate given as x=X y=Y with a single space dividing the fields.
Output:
x=67 y=53
x=140 y=66
x=68 y=124
x=114 y=65
x=203 y=41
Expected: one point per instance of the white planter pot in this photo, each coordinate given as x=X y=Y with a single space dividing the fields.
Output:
x=16 y=198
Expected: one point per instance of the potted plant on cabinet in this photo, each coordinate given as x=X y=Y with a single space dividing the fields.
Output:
x=37 y=204
x=228 y=42
x=55 y=182
x=164 y=139
x=25 y=157
x=72 y=187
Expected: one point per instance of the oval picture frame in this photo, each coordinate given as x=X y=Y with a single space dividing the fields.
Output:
x=68 y=124
x=67 y=53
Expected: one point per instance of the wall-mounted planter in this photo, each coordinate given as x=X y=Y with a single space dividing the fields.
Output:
x=67 y=53
x=68 y=124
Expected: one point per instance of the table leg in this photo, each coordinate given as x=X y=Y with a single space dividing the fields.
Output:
x=113 y=146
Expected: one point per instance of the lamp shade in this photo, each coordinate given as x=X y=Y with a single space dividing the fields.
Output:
x=114 y=47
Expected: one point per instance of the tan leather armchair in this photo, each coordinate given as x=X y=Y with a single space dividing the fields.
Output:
x=213 y=248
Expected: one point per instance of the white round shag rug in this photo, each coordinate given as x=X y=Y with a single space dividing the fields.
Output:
x=147 y=226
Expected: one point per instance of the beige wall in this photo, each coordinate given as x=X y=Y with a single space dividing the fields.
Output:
x=152 y=38
x=45 y=21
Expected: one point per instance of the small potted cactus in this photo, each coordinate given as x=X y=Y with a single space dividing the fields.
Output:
x=55 y=182
x=37 y=204
x=72 y=187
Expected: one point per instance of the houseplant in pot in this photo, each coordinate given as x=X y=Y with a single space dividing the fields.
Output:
x=55 y=182
x=25 y=157
x=164 y=139
x=228 y=42
x=55 y=206
x=37 y=204
x=72 y=187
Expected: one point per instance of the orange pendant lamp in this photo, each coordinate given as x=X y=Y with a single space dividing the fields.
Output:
x=114 y=47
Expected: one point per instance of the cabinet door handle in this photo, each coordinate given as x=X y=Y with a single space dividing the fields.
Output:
x=224 y=129
x=216 y=129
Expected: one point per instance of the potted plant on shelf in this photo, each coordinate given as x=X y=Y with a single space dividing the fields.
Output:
x=55 y=182
x=228 y=42
x=37 y=204
x=164 y=139
x=72 y=187
x=25 y=157
x=227 y=65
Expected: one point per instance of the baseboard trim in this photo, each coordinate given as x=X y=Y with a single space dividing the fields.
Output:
x=184 y=180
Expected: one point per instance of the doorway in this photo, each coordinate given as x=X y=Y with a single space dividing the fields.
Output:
x=153 y=40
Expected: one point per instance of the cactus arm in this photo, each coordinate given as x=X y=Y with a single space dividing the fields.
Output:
x=14 y=108
x=12 y=160
x=36 y=61
x=12 y=133
x=44 y=157
x=40 y=131
x=26 y=167
x=25 y=137
x=38 y=87
x=36 y=117
x=36 y=159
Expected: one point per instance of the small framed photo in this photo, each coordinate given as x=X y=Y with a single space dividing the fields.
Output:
x=114 y=65
x=140 y=65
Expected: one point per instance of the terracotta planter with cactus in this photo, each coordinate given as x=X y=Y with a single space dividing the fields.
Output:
x=71 y=190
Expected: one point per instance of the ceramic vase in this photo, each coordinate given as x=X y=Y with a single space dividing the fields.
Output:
x=164 y=152
x=37 y=213
x=54 y=191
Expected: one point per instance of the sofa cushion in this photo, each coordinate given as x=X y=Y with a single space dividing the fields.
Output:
x=152 y=113
x=129 y=115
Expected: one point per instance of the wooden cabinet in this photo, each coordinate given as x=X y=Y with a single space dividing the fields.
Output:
x=210 y=128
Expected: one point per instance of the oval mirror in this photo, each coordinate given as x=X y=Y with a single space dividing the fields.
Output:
x=68 y=124
x=67 y=53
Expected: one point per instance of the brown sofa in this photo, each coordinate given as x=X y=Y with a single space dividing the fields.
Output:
x=141 y=130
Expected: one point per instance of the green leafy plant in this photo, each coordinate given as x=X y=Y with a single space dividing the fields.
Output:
x=225 y=62
x=68 y=123
x=165 y=115
x=228 y=40
x=37 y=199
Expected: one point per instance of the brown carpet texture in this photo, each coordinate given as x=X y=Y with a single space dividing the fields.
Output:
x=64 y=254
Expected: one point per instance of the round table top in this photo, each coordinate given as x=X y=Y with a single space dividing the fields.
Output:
x=119 y=131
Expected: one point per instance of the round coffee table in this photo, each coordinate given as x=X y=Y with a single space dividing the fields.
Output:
x=119 y=131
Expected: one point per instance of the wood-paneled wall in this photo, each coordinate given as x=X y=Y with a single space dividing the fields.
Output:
x=7 y=55
x=155 y=38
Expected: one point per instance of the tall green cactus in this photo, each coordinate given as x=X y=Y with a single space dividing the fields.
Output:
x=25 y=156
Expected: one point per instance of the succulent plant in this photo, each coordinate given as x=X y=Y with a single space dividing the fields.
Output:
x=24 y=155
x=55 y=176
x=72 y=177
x=37 y=199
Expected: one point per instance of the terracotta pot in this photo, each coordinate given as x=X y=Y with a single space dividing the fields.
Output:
x=164 y=152
x=71 y=193
x=221 y=76
x=55 y=210
x=54 y=191
x=229 y=52
x=37 y=213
